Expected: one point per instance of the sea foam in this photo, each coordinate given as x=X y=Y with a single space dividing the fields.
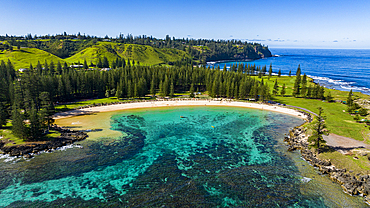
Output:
x=339 y=84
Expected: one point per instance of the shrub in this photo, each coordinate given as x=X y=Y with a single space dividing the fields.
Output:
x=363 y=112
x=357 y=117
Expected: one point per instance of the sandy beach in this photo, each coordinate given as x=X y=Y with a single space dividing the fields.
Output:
x=173 y=103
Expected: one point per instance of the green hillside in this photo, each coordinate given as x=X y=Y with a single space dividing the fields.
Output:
x=23 y=57
x=146 y=55
x=91 y=54
x=144 y=49
x=149 y=55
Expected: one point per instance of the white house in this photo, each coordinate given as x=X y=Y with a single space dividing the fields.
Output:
x=76 y=66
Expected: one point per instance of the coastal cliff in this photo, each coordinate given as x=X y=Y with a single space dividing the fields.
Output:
x=246 y=52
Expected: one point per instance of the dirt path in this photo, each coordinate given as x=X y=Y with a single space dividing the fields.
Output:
x=302 y=109
x=344 y=144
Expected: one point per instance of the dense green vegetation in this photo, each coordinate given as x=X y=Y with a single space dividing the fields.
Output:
x=75 y=49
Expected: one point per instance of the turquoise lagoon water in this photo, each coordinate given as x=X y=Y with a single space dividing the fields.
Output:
x=176 y=157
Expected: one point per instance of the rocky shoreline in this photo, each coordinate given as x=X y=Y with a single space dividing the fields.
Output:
x=67 y=137
x=353 y=184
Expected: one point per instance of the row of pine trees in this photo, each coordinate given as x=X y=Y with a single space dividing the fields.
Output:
x=301 y=89
x=52 y=68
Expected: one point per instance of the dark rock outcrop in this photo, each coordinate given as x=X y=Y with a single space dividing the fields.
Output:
x=351 y=183
x=67 y=137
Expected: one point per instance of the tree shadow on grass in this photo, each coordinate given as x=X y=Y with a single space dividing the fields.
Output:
x=326 y=149
x=343 y=150
x=23 y=51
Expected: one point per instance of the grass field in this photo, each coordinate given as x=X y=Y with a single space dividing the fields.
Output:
x=23 y=57
x=289 y=83
x=74 y=105
x=12 y=140
x=360 y=165
x=338 y=122
x=146 y=55
x=8 y=135
x=92 y=54
x=70 y=106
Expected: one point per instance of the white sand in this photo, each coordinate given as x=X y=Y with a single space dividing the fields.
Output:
x=195 y=102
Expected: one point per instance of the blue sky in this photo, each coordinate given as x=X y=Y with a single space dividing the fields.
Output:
x=278 y=24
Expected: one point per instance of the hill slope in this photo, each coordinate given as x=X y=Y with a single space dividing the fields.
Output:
x=149 y=55
x=146 y=55
x=145 y=51
x=23 y=57
x=92 y=54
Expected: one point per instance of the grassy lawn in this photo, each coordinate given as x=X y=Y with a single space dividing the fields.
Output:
x=43 y=40
x=51 y=135
x=203 y=95
x=73 y=105
x=338 y=122
x=201 y=48
x=70 y=106
x=289 y=83
x=8 y=135
x=360 y=165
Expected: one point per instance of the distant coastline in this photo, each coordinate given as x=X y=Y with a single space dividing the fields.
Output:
x=232 y=60
x=239 y=60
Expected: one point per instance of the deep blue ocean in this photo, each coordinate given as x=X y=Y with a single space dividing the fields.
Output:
x=342 y=69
